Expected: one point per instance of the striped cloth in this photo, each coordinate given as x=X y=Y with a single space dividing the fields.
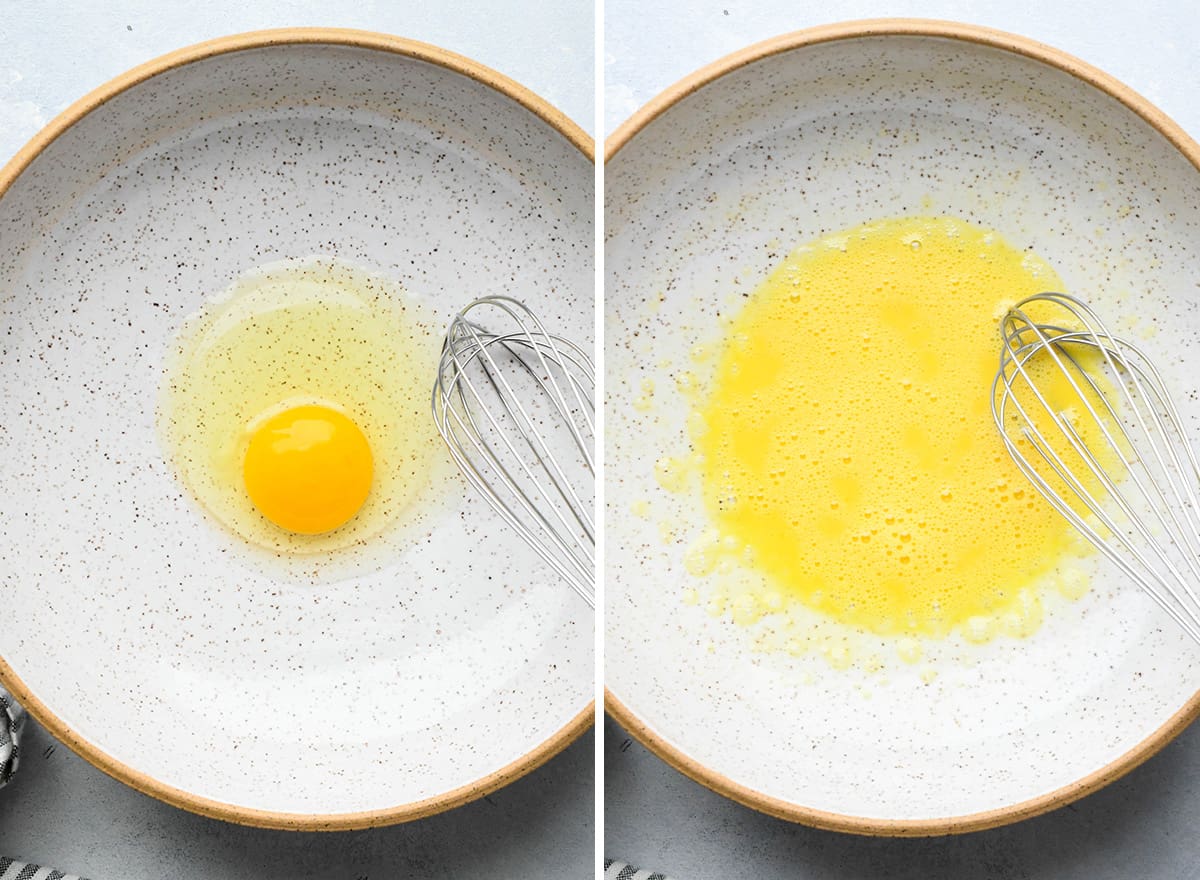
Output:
x=10 y=870
x=614 y=870
x=12 y=719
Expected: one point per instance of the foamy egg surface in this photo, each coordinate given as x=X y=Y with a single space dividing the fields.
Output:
x=845 y=447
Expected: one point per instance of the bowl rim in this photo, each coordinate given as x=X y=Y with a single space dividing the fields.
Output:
x=1018 y=45
x=88 y=750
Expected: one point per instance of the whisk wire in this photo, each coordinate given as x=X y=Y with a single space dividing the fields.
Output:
x=1165 y=600
x=533 y=438
x=478 y=440
x=543 y=343
x=1141 y=430
x=481 y=485
x=1149 y=398
x=482 y=479
x=1085 y=453
x=487 y=382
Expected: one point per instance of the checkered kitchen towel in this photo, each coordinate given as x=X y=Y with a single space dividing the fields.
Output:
x=12 y=719
x=614 y=870
x=10 y=870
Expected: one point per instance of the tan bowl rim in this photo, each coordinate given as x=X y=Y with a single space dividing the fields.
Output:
x=144 y=783
x=667 y=750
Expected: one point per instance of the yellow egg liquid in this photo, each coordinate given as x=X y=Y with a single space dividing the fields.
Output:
x=846 y=448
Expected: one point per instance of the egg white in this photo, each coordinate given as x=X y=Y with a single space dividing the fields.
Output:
x=321 y=331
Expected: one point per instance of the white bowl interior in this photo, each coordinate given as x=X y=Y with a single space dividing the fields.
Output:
x=700 y=204
x=126 y=610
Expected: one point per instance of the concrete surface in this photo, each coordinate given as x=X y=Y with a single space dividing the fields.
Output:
x=1141 y=827
x=62 y=812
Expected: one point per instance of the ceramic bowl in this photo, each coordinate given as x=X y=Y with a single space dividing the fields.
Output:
x=711 y=185
x=132 y=629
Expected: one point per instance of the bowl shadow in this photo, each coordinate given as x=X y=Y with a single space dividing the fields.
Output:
x=62 y=812
x=1139 y=826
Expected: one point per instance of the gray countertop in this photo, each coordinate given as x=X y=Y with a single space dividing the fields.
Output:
x=62 y=812
x=1142 y=826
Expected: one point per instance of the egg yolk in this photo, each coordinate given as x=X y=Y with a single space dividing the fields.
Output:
x=308 y=469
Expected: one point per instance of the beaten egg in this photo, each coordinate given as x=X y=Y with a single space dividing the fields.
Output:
x=845 y=446
x=295 y=406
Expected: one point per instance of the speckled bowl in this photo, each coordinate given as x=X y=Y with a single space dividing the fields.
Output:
x=707 y=188
x=130 y=628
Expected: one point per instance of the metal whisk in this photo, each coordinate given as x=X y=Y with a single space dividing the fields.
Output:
x=515 y=406
x=1132 y=489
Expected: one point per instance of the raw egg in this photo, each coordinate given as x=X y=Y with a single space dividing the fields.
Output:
x=295 y=407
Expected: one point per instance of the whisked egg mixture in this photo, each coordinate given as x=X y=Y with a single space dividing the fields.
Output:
x=841 y=440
